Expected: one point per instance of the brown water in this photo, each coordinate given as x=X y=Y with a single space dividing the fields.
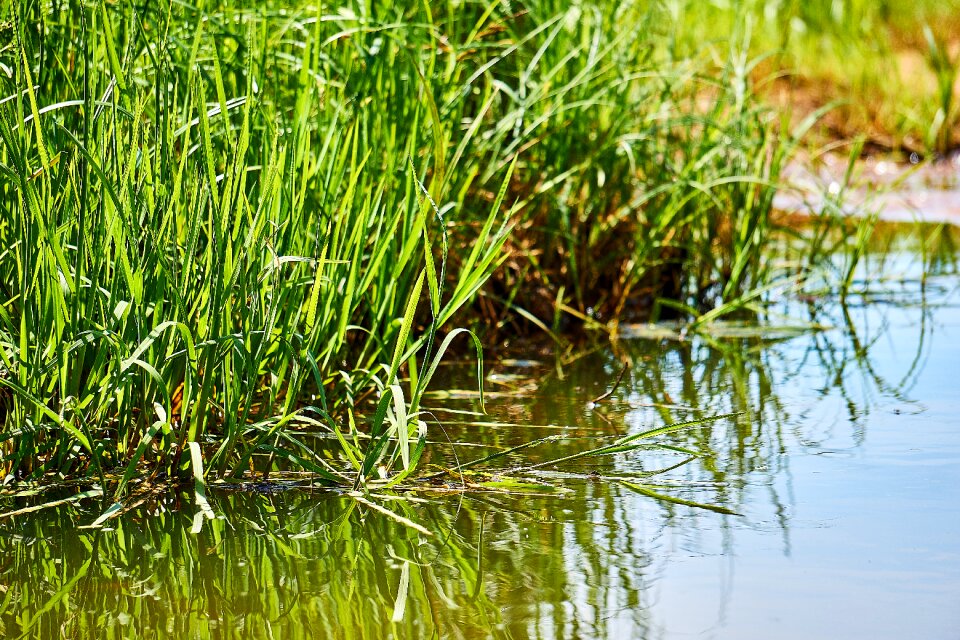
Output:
x=843 y=468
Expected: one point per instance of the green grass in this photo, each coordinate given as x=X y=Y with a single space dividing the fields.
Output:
x=208 y=232
x=226 y=225
x=887 y=63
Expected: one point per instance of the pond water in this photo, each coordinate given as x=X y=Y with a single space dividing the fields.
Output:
x=842 y=467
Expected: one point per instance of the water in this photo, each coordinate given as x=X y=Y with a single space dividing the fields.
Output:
x=843 y=469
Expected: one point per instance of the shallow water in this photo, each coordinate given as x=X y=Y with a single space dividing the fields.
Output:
x=843 y=469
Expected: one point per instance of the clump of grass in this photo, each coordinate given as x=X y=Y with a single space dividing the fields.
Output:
x=225 y=227
x=648 y=180
x=216 y=233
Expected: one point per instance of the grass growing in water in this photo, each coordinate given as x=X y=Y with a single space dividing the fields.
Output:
x=224 y=226
x=208 y=230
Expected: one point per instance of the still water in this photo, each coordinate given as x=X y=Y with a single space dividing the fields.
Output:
x=842 y=469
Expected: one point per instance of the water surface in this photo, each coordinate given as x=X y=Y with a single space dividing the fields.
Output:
x=842 y=468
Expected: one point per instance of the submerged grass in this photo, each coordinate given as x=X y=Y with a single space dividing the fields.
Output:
x=229 y=224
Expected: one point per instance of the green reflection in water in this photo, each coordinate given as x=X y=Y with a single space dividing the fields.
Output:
x=301 y=565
